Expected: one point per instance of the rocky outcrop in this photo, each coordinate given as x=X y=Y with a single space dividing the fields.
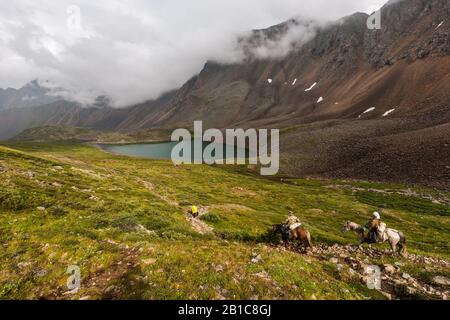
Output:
x=357 y=262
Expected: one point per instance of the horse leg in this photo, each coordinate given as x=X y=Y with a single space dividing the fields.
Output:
x=362 y=238
x=402 y=245
x=393 y=244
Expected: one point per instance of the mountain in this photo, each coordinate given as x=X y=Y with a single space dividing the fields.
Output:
x=379 y=110
x=31 y=95
x=403 y=66
x=351 y=102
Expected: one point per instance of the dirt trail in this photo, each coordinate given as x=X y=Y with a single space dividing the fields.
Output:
x=197 y=224
x=151 y=188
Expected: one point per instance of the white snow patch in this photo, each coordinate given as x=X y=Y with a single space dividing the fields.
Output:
x=320 y=100
x=310 y=88
x=388 y=112
x=440 y=24
x=269 y=80
x=295 y=81
x=369 y=110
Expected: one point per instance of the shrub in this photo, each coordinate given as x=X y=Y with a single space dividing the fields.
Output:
x=210 y=217
x=58 y=211
x=399 y=202
x=12 y=200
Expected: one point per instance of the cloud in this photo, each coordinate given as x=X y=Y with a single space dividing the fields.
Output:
x=137 y=49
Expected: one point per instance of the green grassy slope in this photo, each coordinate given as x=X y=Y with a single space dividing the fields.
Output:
x=123 y=222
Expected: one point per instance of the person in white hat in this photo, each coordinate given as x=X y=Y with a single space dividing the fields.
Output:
x=374 y=227
x=292 y=221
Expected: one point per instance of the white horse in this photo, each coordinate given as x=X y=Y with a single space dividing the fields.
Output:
x=394 y=237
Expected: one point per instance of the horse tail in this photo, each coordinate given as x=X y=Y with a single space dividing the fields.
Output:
x=402 y=244
x=308 y=239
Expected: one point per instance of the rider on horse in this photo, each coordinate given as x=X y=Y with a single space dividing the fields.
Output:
x=376 y=229
x=292 y=221
x=290 y=224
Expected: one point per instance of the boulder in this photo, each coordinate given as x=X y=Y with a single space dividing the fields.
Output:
x=389 y=269
x=334 y=260
x=441 y=281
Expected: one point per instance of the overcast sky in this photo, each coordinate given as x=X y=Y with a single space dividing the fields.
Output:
x=135 y=50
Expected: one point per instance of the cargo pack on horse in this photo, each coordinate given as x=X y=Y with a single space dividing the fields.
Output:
x=299 y=234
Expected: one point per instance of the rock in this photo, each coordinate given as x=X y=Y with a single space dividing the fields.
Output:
x=111 y=289
x=220 y=297
x=257 y=259
x=313 y=297
x=74 y=291
x=334 y=260
x=399 y=264
x=441 y=281
x=141 y=228
x=352 y=272
x=389 y=269
x=387 y=295
x=411 y=291
x=40 y=208
x=40 y=273
x=148 y=261
x=58 y=168
x=219 y=268
x=22 y=265
x=85 y=298
x=56 y=185
x=406 y=276
x=263 y=275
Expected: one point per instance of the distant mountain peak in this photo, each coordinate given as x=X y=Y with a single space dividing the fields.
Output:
x=32 y=94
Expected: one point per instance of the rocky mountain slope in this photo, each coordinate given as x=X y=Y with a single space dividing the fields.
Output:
x=404 y=66
x=352 y=102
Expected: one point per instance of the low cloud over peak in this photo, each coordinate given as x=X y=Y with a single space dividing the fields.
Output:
x=135 y=50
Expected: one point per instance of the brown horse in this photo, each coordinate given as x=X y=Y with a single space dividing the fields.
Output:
x=299 y=234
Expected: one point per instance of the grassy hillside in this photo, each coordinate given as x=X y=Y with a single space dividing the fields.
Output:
x=123 y=222
x=69 y=133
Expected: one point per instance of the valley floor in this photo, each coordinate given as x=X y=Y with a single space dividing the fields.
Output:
x=123 y=222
